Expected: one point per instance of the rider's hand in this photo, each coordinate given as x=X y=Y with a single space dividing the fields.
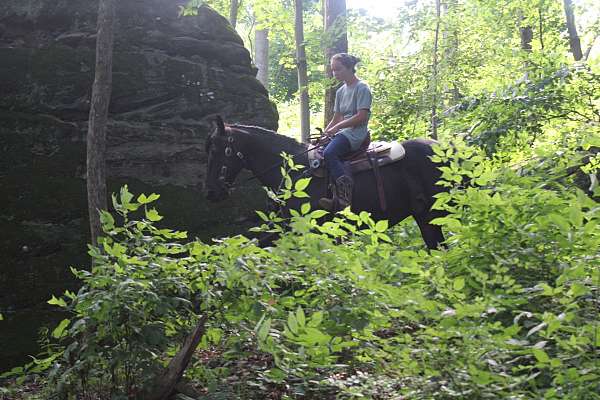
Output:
x=332 y=131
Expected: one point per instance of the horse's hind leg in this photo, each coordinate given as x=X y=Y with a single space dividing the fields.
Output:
x=432 y=234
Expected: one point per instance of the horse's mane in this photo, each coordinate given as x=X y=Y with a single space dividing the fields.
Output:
x=284 y=141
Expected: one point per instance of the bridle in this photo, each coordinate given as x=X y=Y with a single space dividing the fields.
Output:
x=231 y=151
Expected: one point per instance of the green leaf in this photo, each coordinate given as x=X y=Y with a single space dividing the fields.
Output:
x=577 y=289
x=364 y=217
x=57 y=302
x=262 y=216
x=125 y=196
x=318 y=214
x=541 y=356
x=153 y=215
x=301 y=195
x=305 y=208
x=316 y=319
x=263 y=331
x=302 y=184
x=107 y=220
x=451 y=223
x=142 y=199
x=59 y=331
x=292 y=323
x=1 y=317
x=459 y=283
x=300 y=317
x=276 y=374
x=381 y=226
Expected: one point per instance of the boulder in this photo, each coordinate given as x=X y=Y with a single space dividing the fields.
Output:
x=171 y=73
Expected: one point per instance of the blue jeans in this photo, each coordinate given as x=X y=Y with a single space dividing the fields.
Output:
x=337 y=148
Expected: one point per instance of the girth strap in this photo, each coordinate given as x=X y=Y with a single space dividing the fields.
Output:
x=380 y=189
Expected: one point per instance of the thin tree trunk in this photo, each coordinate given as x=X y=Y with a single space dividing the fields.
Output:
x=434 y=75
x=233 y=12
x=541 y=17
x=574 y=42
x=96 y=136
x=302 y=73
x=261 y=56
x=171 y=376
x=526 y=35
x=589 y=49
x=336 y=35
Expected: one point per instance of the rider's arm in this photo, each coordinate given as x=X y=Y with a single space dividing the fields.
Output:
x=337 y=117
x=359 y=118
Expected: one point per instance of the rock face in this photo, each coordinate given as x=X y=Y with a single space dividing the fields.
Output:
x=170 y=73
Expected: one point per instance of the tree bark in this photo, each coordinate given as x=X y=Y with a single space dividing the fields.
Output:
x=302 y=73
x=167 y=382
x=589 y=49
x=261 y=56
x=96 y=136
x=233 y=12
x=574 y=41
x=541 y=18
x=526 y=34
x=336 y=34
x=434 y=74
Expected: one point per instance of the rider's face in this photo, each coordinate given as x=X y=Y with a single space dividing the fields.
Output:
x=339 y=71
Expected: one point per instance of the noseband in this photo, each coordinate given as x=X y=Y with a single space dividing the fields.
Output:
x=230 y=151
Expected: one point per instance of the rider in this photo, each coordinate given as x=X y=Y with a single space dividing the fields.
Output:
x=348 y=127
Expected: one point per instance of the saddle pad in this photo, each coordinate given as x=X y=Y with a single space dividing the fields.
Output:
x=390 y=153
x=384 y=152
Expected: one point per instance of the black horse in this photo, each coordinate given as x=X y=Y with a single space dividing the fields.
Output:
x=410 y=184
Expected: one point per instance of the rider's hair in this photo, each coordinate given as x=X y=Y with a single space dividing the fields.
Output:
x=348 y=60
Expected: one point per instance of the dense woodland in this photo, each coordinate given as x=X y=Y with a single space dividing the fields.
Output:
x=348 y=307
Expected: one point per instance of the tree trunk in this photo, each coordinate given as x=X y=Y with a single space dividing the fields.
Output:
x=541 y=18
x=574 y=42
x=302 y=73
x=261 y=56
x=434 y=74
x=167 y=382
x=336 y=35
x=526 y=34
x=233 y=12
x=96 y=136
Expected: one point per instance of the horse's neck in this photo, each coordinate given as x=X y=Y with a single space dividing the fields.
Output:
x=266 y=157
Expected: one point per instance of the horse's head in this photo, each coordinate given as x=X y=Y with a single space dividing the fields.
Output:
x=224 y=161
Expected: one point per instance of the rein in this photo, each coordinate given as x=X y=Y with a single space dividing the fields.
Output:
x=229 y=151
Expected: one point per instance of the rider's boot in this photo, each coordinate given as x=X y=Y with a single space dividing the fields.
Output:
x=327 y=203
x=344 y=187
x=342 y=195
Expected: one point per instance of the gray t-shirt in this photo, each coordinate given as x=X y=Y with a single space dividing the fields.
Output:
x=348 y=100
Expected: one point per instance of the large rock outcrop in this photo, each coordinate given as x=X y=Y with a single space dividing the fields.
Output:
x=170 y=74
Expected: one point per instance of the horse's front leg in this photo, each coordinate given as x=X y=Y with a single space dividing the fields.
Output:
x=432 y=234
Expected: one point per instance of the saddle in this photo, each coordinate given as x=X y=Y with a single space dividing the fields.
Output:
x=369 y=156
x=381 y=153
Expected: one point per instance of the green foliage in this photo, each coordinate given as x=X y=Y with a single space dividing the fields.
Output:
x=338 y=308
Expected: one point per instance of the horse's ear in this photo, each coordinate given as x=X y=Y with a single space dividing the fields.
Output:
x=220 y=125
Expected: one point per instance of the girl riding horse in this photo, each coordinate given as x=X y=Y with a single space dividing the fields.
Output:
x=348 y=127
